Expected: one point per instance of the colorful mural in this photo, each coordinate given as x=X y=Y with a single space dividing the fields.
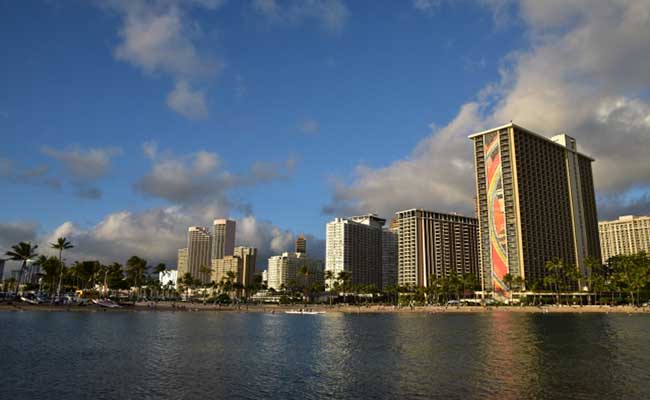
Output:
x=496 y=214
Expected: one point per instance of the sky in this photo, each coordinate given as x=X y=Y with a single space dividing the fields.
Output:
x=125 y=122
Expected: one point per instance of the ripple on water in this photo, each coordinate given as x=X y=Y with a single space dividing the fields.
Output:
x=333 y=356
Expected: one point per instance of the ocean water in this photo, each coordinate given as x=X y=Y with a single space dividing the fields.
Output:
x=154 y=355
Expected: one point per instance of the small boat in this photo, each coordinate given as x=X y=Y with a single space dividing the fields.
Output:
x=106 y=303
x=304 y=312
x=28 y=300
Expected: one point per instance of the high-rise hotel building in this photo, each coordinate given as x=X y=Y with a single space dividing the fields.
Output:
x=199 y=245
x=223 y=238
x=625 y=236
x=248 y=257
x=536 y=202
x=435 y=245
x=354 y=246
x=389 y=250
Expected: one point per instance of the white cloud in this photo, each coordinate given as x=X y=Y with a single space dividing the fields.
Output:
x=187 y=102
x=199 y=178
x=586 y=73
x=309 y=126
x=12 y=233
x=157 y=234
x=331 y=14
x=161 y=37
x=150 y=149
x=85 y=165
x=426 y=5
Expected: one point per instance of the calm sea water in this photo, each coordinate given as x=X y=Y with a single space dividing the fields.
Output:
x=146 y=355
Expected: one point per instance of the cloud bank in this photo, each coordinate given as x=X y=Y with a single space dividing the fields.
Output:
x=586 y=73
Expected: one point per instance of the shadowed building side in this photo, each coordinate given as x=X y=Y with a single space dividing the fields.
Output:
x=536 y=202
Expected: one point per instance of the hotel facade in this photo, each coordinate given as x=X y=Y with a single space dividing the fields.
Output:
x=435 y=245
x=223 y=238
x=625 y=236
x=354 y=245
x=535 y=203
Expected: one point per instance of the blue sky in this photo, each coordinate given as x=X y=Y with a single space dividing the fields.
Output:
x=372 y=88
x=312 y=106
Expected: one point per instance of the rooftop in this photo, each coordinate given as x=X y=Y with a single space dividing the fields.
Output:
x=513 y=125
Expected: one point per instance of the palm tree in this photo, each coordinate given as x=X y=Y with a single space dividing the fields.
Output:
x=205 y=274
x=329 y=283
x=554 y=279
x=136 y=268
x=23 y=251
x=158 y=269
x=304 y=272
x=344 y=277
x=61 y=244
x=508 y=279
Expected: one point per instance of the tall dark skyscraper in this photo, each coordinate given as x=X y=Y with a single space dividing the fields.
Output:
x=435 y=245
x=536 y=202
x=301 y=244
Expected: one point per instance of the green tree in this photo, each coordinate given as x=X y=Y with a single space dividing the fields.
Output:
x=136 y=270
x=23 y=252
x=508 y=279
x=304 y=273
x=344 y=278
x=555 y=277
x=329 y=283
x=61 y=244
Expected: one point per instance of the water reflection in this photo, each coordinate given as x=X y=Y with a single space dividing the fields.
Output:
x=333 y=356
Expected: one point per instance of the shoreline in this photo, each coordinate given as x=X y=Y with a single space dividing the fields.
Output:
x=345 y=309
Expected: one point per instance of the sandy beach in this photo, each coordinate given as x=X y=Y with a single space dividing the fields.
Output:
x=352 y=309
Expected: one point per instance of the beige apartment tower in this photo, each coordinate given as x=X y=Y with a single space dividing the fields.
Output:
x=199 y=245
x=222 y=266
x=535 y=202
x=248 y=257
x=181 y=265
x=223 y=238
x=435 y=245
x=625 y=236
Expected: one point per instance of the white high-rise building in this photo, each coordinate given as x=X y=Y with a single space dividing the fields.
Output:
x=199 y=245
x=283 y=271
x=354 y=246
x=223 y=238
x=625 y=236
x=389 y=255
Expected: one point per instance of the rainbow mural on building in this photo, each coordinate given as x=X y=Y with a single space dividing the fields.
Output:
x=496 y=214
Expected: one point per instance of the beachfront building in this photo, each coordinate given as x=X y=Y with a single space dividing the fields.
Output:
x=434 y=245
x=199 y=246
x=248 y=256
x=284 y=271
x=223 y=238
x=536 y=202
x=168 y=277
x=625 y=236
x=354 y=246
x=181 y=263
x=222 y=266
x=389 y=255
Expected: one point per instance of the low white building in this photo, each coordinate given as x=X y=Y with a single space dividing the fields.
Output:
x=283 y=270
x=167 y=276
